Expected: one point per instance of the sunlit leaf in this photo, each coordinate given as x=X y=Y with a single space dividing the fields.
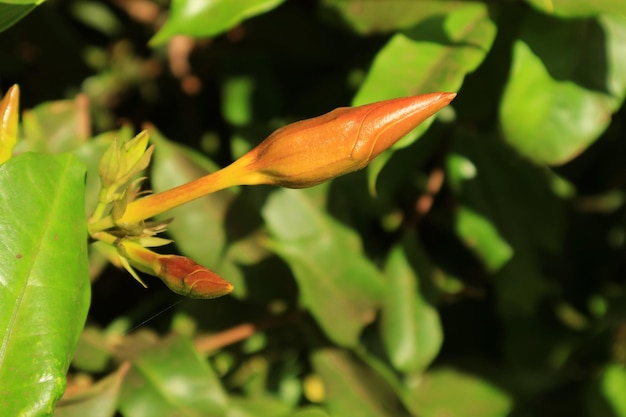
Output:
x=433 y=56
x=203 y=18
x=337 y=283
x=44 y=285
x=568 y=77
x=482 y=237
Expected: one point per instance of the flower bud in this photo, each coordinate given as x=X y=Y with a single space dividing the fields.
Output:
x=180 y=274
x=9 y=108
x=312 y=151
x=304 y=153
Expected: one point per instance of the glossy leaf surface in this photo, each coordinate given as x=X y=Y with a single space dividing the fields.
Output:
x=567 y=79
x=44 y=286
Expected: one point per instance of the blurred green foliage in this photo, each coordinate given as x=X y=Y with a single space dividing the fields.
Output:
x=474 y=270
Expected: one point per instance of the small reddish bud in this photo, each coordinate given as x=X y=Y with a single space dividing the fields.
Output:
x=180 y=274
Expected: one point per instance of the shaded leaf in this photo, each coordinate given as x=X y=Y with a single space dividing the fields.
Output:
x=410 y=326
x=12 y=12
x=100 y=400
x=56 y=126
x=170 y=378
x=567 y=79
x=455 y=394
x=517 y=207
x=44 y=285
x=338 y=284
x=354 y=389
x=202 y=18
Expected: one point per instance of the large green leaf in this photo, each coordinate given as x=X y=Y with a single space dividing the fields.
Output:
x=354 y=389
x=337 y=283
x=203 y=18
x=448 y=392
x=410 y=326
x=44 y=285
x=170 y=378
x=580 y=8
x=567 y=79
x=435 y=55
x=12 y=11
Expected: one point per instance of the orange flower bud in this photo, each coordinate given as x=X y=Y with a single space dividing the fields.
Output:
x=9 y=109
x=313 y=151
x=305 y=153
x=180 y=274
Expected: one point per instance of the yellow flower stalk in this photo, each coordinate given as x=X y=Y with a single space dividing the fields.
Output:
x=304 y=153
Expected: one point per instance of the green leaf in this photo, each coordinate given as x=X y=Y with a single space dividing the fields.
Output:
x=56 y=126
x=613 y=386
x=483 y=238
x=367 y=17
x=100 y=400
x=410 y=326
x=448 y=392
x=433 y=56
x=12 y=11
x=354 y=389
x=567 y=78
x=580 y=8
x=204 y=18
x=44 y=285
x=199 y=226
x=170 y=378
x=337 y=283
x=310 y=412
